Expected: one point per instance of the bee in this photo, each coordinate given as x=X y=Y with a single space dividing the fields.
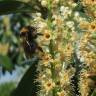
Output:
x=28 y=35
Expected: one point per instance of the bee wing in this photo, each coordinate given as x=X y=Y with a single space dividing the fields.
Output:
x=28 y=44
x=27 y=49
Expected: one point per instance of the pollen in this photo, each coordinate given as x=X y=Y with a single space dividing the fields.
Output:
x=49 y=85
x=92 y=26
x=47 y=35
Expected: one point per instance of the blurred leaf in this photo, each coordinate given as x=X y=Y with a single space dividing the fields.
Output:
x=28 y=85
x=6 y=62
x=6 y=88
x=4 y=48
x=79 y=7
x=93 y=77
x=8 y=7
x=94 y=93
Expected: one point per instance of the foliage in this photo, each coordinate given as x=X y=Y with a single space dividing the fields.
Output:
x=28 y=85
x=7 y=88
x=67 y=66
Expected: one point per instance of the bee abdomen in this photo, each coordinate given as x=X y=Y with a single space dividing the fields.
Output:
x=30 y=49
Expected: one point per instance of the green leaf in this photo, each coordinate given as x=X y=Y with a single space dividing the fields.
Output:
x=8 y=7
x=11 y=6
x=6 y=62
x=93 y=77
x=28 y=86
x=94 y=93
x=6 y=88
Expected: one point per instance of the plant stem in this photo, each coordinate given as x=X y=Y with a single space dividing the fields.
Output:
x=49 y=13
x=49 y=22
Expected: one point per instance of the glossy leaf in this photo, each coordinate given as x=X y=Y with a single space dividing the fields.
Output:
x=28 y=85
x=8 y=7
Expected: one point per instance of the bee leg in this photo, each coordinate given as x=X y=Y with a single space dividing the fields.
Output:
x=40 y=49
x=40 y=34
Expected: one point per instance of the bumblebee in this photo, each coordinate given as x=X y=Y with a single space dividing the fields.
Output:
x=28 y=35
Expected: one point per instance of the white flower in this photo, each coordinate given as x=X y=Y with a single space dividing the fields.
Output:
x=74 y=4
x=38 y=14
x=42 y=25
x=44 y=3
x=62 y=8
x=70 y=24
x=65 y=11
x=76 y=14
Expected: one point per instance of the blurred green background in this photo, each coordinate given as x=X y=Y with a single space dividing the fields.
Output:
x=12 y=20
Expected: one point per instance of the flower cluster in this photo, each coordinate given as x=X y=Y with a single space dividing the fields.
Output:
x=90 y=6
x=58 y=45
x=88 y=53
x=88 y=2
x=87 y=44
x=59 y=42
